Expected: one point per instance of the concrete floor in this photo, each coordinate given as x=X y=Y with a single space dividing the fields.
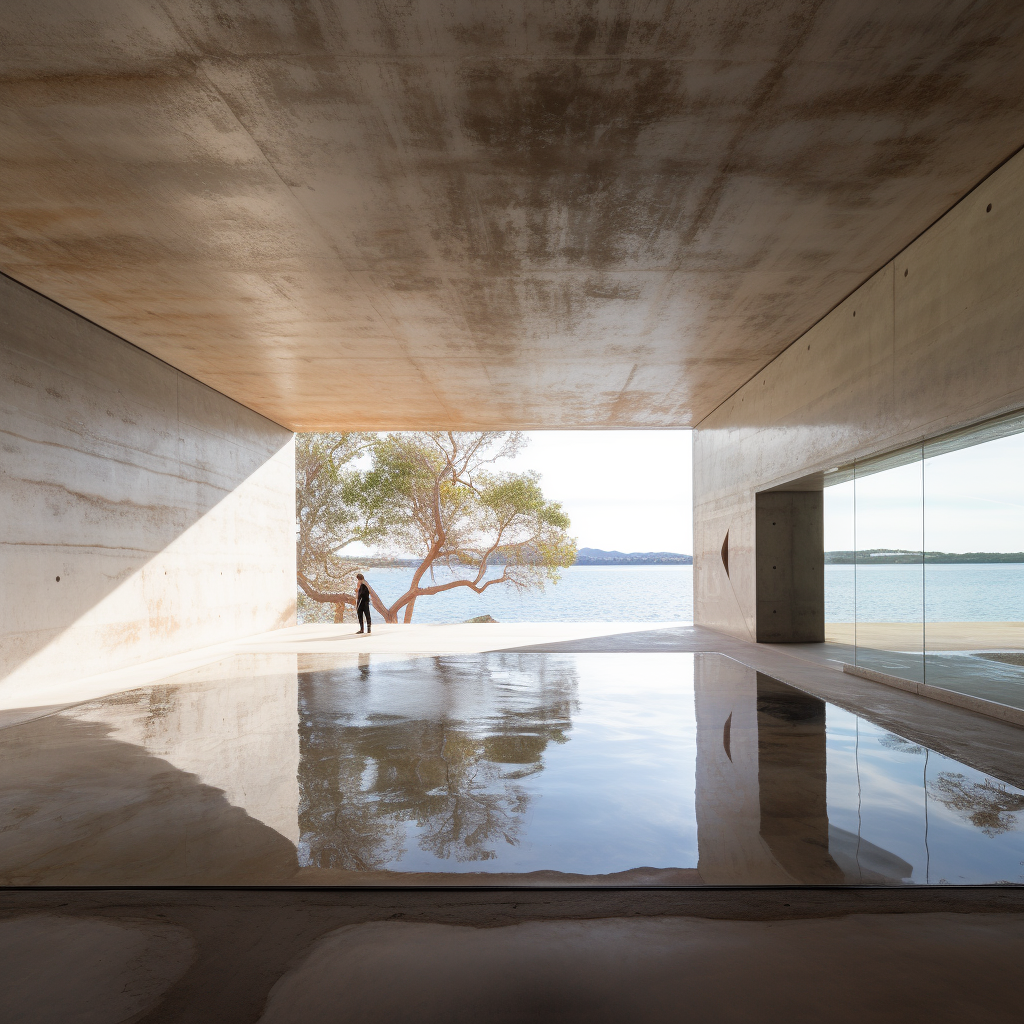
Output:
x=713 y=954
x=766 y=955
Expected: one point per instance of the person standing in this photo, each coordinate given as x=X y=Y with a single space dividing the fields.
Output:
x=362 y=602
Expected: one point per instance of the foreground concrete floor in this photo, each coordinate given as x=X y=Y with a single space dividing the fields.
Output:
x=718 y=956
x=710 y=955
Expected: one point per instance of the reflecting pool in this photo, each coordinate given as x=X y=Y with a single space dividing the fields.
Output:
x=531 y=769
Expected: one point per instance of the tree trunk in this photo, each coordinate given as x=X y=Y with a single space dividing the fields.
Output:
x=408 y=611
x=339 y=612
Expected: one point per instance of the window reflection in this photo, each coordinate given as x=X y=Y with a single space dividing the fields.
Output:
x=889 y=577
x=974 y=590
x=925 y=563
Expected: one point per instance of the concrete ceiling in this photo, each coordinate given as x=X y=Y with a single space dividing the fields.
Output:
x=369 y=213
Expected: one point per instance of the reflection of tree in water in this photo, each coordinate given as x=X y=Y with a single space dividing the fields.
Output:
x=987 y=805
x=891 y=741
x=456 y=774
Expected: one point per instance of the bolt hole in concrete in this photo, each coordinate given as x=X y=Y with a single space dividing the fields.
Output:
x=988 y=209
x=503 y=768
x=947 y=967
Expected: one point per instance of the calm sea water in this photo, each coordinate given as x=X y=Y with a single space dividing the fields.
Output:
x=664 y=593
x=585 y=593
x=950 y=593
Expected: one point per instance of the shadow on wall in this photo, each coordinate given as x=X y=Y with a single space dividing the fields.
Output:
x=141 y=513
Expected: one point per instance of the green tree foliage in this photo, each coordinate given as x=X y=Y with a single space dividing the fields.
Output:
x=330 y=514
x=437 y=494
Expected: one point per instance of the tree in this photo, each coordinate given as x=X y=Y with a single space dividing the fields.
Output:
x=330 y=514
x=436 y=493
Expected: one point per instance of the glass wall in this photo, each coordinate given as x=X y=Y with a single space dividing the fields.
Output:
x=888 y=501
x=925 y=563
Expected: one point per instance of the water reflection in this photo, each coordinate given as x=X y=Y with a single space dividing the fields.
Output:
x=502 y=768
x=762 y=799
x=454 y=771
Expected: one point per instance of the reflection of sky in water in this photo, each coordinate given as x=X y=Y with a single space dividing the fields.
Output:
x=881 y=778
x=588 y=764
x=505 y=771
x=264 y=770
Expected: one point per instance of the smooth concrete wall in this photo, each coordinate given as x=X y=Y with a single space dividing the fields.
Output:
x=931 y=342
x=142 y=514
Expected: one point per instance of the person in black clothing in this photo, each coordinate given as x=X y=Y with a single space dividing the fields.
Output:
x=363 y=602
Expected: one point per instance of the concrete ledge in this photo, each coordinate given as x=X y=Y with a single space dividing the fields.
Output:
x=1005 y=713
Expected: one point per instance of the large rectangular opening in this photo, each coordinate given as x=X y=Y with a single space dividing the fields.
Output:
x=542 y=526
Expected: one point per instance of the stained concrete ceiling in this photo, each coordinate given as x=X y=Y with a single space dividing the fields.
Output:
x=368 y=213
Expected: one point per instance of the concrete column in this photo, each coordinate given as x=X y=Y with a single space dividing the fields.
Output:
x=789 y=548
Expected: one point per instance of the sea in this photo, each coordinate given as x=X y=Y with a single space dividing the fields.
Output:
x=664 y=593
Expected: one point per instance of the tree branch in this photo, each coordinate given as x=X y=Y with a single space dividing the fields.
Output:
x=310 y=591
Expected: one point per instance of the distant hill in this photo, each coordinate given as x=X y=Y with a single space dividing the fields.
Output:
x=596 y=556
x=894 y=556
x=584 y=556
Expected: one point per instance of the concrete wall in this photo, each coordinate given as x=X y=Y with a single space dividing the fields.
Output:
x=933 y=341
x=141 y=513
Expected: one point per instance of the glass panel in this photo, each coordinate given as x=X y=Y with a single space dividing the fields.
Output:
x=840 y=571
x=974 y=569
x=889 y=567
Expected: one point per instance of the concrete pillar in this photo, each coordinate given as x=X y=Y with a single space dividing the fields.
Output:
x=789 y=549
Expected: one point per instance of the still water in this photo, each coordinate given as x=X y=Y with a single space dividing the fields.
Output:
x=585 y=593
x=658 y=769
x=948 y=593
x=664 y=593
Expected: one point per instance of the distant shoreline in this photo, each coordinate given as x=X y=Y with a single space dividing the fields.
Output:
x=585 y=556
x=412 y=563
x=882 y=556
x=869 y=557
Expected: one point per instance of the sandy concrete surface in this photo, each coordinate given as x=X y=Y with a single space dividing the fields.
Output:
x=941 y=636
x=61 y=970
x=882 y=969
x=708 y=956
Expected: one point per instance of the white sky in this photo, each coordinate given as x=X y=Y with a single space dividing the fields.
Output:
x=967 y=500
x=624 y=490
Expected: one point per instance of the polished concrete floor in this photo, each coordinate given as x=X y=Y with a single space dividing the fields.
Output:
x=522 y=767
x=190 y=771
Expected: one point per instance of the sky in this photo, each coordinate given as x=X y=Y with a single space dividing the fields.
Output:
x=966 y=500
x=624 y=490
